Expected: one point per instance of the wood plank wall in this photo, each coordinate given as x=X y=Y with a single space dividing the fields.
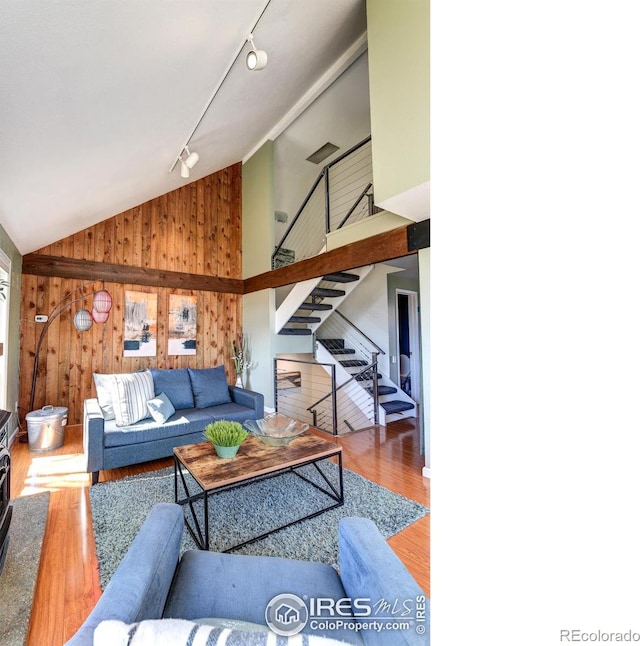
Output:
x=196 y=229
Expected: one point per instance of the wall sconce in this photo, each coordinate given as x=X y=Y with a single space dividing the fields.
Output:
x=82 y=321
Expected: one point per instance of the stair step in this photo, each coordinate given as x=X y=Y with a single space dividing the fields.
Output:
x=353 y=363
x=326 y=292
x=341 y=277
x=367 y=376
x=342 y=351
x=332 y=343
x=396 y=406
x=295 y=331
x=305 y=319
x=315 y=306
x=382 y=390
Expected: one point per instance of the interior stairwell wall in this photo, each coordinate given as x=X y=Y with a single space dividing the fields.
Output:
x=367 y=309
x=258 y=308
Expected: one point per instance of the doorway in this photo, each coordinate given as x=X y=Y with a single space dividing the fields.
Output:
x=407 y=316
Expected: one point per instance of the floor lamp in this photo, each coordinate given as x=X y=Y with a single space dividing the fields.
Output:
x=82 y=320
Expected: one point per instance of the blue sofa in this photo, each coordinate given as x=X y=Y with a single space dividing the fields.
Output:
x=222 y=590
x=196 y=398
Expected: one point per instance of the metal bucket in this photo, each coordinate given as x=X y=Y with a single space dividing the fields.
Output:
x=46 y=428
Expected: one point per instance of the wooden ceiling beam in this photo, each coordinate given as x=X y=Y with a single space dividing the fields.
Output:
x=370 y=251
x=41 y=265
x=379 y=248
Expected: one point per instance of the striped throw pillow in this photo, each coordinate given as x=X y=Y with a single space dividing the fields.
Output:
x=180 y=632
x=130 y=393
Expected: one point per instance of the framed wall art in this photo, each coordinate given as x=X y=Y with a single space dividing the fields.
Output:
x=140 y=324
x=183 y=312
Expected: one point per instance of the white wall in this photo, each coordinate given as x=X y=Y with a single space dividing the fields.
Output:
x=367 y=308
x=424 y=269
x=339 y=115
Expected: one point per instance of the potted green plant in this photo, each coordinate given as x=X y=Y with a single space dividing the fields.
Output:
x=225 y=436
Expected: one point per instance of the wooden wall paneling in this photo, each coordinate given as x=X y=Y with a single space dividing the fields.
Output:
x=98 y=242
x=70 y=337
x=171 y=229
x=193 y=229
x=136 y=257
x=117 y=331
x=214 y=227
x=55 y=351
x=204 y=325
x=182 y=208
x=185 y=227
x=207 y=226
x=116 y=246
x=162 y=357
x=161 y=234
x=90 y=344
x=149 y=211
x=126 y=237
x=199 y=228
x=89 y=245
x=42 y=306
x=27 y=339
x=108 y=234
x=236 y=234
x=220 y=231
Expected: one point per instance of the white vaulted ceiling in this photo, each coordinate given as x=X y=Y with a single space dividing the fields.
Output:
x=97 y=97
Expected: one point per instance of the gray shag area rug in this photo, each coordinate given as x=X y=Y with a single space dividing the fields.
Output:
x=18 y=577
x=119 y=508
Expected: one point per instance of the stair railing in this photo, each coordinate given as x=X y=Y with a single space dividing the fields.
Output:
x=298 y=382
x=308 y=391
x=346 y=410
x=338 y=195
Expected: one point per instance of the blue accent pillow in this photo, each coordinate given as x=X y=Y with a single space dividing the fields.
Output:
x=175 y=384
x=209 y=386
x=161 y=408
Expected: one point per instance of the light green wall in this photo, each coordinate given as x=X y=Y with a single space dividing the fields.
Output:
x=398 y=37
x=13 y=350
x=257 y=212
x=258 y=309
x=258 y=323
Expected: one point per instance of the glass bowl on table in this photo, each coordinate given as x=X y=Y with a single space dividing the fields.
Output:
x=276 y=429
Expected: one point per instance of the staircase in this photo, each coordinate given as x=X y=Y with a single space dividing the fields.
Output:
x=393 y=403
x=310 y=302
x=370 y=397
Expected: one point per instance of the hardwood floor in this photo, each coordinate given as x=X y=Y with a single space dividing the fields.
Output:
x=68 y=585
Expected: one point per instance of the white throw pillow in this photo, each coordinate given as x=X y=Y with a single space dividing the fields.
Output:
x=104 y=384
x=130 y=393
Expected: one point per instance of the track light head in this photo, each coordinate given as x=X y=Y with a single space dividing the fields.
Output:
x=256 y=58
x=184 y=170
x=192 y=158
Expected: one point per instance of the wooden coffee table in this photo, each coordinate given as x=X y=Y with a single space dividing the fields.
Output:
x=254 y=461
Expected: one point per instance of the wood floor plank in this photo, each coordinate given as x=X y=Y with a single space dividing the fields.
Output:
x=68 y=583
